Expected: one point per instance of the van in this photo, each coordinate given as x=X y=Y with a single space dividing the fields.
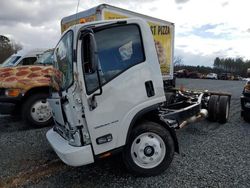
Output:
x=22 y=58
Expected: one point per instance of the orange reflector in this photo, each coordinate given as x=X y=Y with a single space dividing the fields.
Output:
x=82 y=20
x=12 y=92
x=105 y=155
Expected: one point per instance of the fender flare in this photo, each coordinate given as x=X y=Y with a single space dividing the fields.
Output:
x=151 y=113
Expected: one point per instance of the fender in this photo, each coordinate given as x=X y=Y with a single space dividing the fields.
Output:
x=151 y=113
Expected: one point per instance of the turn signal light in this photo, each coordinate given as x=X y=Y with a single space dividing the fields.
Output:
x=105 y=155
x=104 y=139
x=12 y=92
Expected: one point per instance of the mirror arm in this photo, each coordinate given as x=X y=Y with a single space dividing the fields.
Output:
x=93 y=103
x=100 y=86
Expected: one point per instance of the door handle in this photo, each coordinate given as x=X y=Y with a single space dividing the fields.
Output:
x=150 y=88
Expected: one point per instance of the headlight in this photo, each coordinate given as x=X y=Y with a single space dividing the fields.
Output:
x=12 y=92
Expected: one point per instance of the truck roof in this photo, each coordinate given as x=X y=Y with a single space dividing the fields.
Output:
x=33 y=52
x=101 y=22
x=100 y=7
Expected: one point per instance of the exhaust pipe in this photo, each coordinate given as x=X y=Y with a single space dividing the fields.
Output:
x=201 y=115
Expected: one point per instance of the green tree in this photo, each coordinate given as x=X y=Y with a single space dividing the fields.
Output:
x=8 y=47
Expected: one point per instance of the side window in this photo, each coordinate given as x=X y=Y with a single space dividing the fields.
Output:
x=28 y=61
x=119 y=48
x=64 y=59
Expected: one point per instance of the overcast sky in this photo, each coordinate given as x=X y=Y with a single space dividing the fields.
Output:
x=204 y=29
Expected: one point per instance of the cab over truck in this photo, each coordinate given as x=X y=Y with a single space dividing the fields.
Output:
x=111 y=98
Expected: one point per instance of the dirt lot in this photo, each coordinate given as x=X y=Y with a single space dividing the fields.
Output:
x=212 y=155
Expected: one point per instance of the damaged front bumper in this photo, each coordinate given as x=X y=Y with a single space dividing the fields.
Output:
x=71 y=155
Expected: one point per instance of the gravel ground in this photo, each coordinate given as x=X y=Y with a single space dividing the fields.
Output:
x=211 y=155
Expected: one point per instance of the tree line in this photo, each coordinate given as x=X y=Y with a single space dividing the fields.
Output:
x=236 y=66
x=7 y=48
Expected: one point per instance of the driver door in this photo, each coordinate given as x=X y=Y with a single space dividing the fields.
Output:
x=117 y=86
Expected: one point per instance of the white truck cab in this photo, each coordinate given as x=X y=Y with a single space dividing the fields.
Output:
x=109 y=96
x=110 y=90
x=23 y=58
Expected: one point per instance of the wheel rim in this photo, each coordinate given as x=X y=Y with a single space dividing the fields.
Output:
x=41 y=111
x=148 y=150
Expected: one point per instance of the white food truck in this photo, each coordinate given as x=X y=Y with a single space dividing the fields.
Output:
x=111 y=96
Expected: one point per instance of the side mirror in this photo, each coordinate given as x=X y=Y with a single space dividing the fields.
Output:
x=93 y=53
x=95 y=68
x=92 y=67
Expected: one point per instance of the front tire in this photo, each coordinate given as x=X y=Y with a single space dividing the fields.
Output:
x=36 y=111
x=150 y=149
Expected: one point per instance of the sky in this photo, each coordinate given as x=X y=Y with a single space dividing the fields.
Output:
x=204 y=29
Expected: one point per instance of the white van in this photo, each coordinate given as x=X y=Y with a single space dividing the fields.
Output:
x=23 y=58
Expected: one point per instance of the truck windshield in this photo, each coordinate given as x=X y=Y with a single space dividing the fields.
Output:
x=64 y=60
x=10 y=62
x=46 y=58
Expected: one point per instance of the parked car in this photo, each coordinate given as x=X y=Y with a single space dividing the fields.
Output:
x=237 y=77
x=246 y=79
x=245 y=102
x=186 y=74
x=212 y=76
x=23 y=58
x=24 y=90
x=181 y=73
x=225 y=76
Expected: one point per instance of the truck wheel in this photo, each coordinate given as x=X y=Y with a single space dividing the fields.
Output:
x=36 y=111
x=212 y=107
x=149 y=151
x=170 y=98
x=223 y=109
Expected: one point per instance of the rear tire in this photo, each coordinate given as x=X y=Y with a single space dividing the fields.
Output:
x=223 y=109
x=212 y=108
x=150 y=149
x=36 y=111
